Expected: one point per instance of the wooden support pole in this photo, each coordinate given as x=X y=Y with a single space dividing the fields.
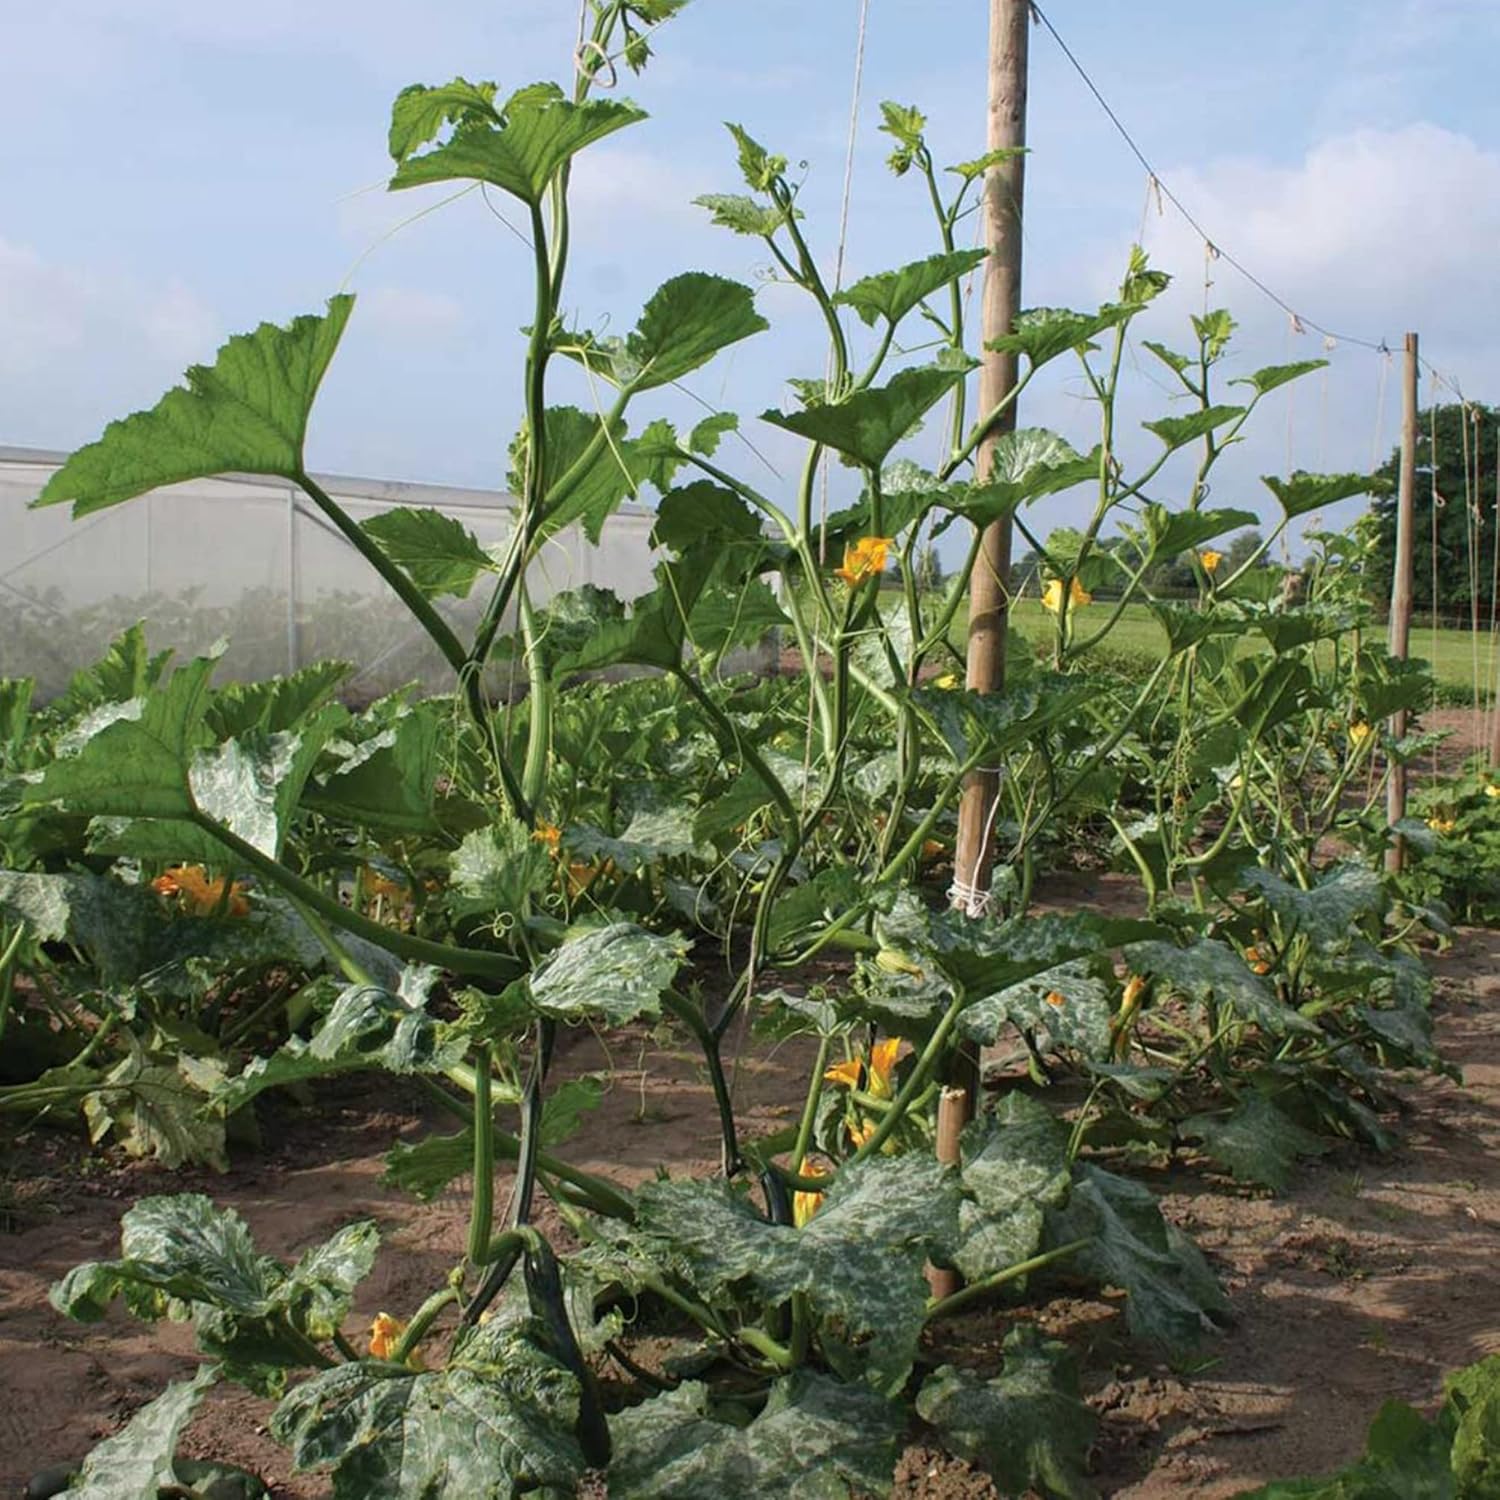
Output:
x=953 y=1114
x=1401 y=585
x=989 y=588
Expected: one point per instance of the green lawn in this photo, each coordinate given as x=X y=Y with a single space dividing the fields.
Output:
x=1452 y=652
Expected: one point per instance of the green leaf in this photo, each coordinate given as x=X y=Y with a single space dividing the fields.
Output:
x=1185 y=625
x=616 y=471
x=741 y=214
x=136 y=764
x=893 y=294
x=274 y=704
x=136 y=1462
x=247 y=412
x=615 y=974
x=1172 y=1293
x=705 y=437
x=759 y=167
x=420 y=113
x=1044 y=333
x=816 y=1439
x=1026 y=465
x=438 y=553
x=1211 y=970
x=979 y=165
x=541 y=133
x=387 y=778
x=1256 y=1142
x=1027 y=1427
x=1338 y=899
x=704 y=511
x=1171 y=532
x=1081 y=1022
x=1305 y=492
x=498 y=1420
x=1273 y=376
x=859 y=1259
x=495 y=871
x=1015 y=1165
x=1178 y=432
x=1474 y=1394
x=368 y=1029
x=688 y=321
x=999 y=722
x=868 y=424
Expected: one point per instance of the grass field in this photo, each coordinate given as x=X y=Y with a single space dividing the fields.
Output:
x=1452 y=653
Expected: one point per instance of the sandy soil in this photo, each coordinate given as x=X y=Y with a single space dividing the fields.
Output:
x=1368 y=1280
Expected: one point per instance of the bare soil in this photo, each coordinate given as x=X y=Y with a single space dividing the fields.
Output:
x=1369 y=1280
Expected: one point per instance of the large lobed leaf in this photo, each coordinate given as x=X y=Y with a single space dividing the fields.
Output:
x=859 y=1259
x=614 y=974
x=815 y=1439
x=541 y=132
x=137 y=1462
x=248 y=411
x=1027 y=1427
x=866 y=426
x=893 y=294
x=497 y=1421
x=1210 y=970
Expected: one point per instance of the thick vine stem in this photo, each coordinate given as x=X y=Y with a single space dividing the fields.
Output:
x=475 y=961
x=690 y=1015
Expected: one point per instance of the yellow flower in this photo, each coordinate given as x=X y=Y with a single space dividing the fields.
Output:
x=1210 y=560
x=1440 y=824
x=378 y=888
x=806 y=1204
x=1492 y=790
x=864 y=560
x=1359 y=732
x=385 y=1334
x=550 y=835
x=1052 y=595
x=878 y=1074
x=1259 y=963
x=199 y=894
x=1057 y=998
x=947 y=682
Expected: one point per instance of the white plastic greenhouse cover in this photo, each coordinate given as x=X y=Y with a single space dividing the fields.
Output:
x=250 y=559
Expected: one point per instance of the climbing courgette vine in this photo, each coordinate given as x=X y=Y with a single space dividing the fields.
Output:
x=683 y=844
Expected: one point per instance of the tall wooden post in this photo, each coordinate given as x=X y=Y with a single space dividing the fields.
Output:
x=989 y=597
x=1401 y=584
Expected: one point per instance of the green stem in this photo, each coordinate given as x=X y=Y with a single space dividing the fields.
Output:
x=473 y=961
x=810 y=1106
x=417 y=1329
x=943 y=1307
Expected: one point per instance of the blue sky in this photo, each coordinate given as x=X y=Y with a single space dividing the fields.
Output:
x=177 y=170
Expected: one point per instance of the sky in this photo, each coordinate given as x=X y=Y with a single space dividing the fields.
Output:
x=178 y=170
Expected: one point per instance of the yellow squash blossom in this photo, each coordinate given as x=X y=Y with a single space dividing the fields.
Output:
x=550 y=835
x=1056 y=998
x=947 y=682
x=878 y=1074
x=806 y=1204
x=1492 y=790
x=864 y=560
x=1442 y=824
x=1052 y=595
x=1359 y=732
x=1210 y=560
x=200 y=894
x=385 y=1334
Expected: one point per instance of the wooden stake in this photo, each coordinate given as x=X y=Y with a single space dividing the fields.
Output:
x=1401 y=586
x=989 y=597
x=953 y=1115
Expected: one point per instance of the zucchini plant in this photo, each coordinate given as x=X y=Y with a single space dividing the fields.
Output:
x=586 y=853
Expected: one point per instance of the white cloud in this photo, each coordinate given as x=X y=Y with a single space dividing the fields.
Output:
x=80 y=343
x=409 y=312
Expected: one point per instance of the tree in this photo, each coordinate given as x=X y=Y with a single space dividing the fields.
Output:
x=1243 y=547
x=1465 y=472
